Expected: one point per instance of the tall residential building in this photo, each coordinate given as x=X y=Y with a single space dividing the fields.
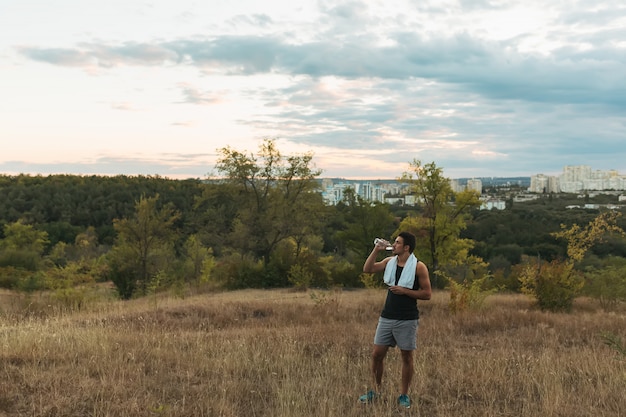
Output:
x=472 y=184
x=475 y=184
x=581 y=178
x=456 y=186
x=541 y=183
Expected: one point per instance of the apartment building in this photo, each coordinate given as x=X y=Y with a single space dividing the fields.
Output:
x=578 y=178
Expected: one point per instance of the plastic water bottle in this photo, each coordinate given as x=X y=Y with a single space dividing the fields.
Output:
x=387 y=244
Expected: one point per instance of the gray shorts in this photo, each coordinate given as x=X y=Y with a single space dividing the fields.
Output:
x=402 y=333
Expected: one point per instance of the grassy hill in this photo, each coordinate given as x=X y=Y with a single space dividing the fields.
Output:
x=282 y=353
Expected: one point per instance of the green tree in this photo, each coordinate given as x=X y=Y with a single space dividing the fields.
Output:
x=274 y=196
x=555 y=285
x=363 y=221
x=444 y=215
x=22 y=246
x=198 y=261
x=215 y=214
x=144 y=246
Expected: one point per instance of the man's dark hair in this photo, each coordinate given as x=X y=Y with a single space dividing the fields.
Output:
x=409 y=239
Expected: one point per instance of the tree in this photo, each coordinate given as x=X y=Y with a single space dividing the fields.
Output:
x=144 y=246
x=363 y=221
x=444 y=215
x=555 y=285
x=274 y=198
x=22 y=246
x=198 y=261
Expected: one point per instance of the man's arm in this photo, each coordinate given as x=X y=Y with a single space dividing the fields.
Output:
x=423 y=278
x=371 y=266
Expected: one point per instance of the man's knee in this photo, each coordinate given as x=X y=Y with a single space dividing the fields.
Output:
x=407 y=356
x=378 y=353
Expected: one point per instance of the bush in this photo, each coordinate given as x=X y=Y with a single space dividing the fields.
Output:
x=554 y=285
x=468 y=295
x=371 y=281
x=607 y=285
x=31 y=282
x=11 y=277
x=300 y=277
x=341 y=272
x=238 y=271
x=19 y=258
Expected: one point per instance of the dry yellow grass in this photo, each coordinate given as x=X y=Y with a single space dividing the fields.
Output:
x=282 y=354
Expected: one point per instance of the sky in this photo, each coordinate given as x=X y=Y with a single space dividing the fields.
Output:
x=158 y=87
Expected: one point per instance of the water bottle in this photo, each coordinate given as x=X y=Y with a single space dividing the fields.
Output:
x=387 y=244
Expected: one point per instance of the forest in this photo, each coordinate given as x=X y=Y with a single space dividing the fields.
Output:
x=263 y=224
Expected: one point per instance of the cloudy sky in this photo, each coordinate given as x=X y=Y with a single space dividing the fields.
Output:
x=157 y=87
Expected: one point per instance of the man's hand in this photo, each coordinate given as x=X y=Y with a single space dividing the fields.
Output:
x=381 y=245
x=396 y=289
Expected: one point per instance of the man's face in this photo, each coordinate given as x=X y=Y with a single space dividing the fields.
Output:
x=398 y=246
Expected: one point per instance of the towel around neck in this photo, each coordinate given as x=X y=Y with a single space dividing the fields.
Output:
x=407 y=277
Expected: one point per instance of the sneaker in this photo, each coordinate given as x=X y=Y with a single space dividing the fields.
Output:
x=369 y=397
x=404 y=401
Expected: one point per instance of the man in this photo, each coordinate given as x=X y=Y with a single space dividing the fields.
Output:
x=408 y=281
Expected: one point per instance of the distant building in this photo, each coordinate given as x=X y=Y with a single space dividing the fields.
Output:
x=579 y=178
x=576 y=179
x=333 y=190
x=410 y=200
x=543 y=184
x=493 y=203
x=456 y=186
x=475 y=185
x=520 y=198
x=471 y=184
x=394 y=200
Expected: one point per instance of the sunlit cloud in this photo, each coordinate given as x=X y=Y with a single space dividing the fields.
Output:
x=476 y=86
x=193 y=95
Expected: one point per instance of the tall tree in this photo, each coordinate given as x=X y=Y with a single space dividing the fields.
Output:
x=144 y=245
x=275 y=197
x=444 y=215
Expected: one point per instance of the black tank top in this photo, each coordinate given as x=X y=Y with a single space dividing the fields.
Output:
x=400 y=307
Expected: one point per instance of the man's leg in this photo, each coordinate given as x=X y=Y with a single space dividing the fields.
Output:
x=407 y=370
x=378 y=358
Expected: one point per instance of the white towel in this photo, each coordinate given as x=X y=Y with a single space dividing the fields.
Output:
x=407 y=277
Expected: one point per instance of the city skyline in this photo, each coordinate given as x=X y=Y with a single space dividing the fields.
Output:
x=152 y=87
x=573 y=179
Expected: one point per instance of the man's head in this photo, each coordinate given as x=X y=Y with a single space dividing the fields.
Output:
x=408 y=239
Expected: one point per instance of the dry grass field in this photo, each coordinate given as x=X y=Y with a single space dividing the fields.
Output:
x=281 y=353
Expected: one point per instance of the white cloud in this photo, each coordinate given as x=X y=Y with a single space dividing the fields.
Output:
x=494 y=87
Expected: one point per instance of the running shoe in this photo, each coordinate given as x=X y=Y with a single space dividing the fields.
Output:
x=369 y=397
x=404 y=401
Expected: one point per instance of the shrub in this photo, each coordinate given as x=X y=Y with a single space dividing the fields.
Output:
x=340 y=271
x=9 y=276
x=615 y=343
x=20 y=258
x=371 y=280
x=236 y=271
x=607 y=285
x=300 y=277
x=31 y=282
x=554 y=285
x=468 y=295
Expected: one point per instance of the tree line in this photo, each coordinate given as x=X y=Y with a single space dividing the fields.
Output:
x=263 y=223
